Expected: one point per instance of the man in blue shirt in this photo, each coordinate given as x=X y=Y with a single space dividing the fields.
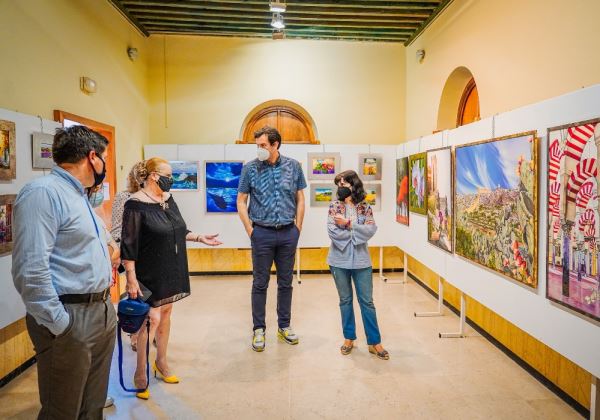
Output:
x=61 y=269
x=273 y=221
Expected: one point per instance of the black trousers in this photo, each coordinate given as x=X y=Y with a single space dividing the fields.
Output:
x=273 y=246
x=73 y=368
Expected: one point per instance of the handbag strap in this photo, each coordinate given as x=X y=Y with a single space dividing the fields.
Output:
x=147 y=360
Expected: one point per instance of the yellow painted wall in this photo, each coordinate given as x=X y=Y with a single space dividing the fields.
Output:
x=47 y=45
x=354 y=91
x=520 y=52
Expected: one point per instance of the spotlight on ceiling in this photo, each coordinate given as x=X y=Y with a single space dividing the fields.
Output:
x=277 y=21
x=277 y=6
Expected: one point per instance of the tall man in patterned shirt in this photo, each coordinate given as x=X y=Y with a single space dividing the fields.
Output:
x=273 y=222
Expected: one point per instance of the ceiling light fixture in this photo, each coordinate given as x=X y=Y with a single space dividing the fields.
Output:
x=277 y=6
x=277 y=21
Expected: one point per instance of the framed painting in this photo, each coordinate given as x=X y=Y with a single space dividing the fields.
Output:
x=402 y=180
x=322 y=194
x=222 y=179
x=8 y=151
x=185 y=175
x=41 y=148
x=373 y=196
x=323 y=165
x=369 y=167
x=496 y=205
x=417 y=168
x=573 y=231
x=440 y=223
x=6 y=223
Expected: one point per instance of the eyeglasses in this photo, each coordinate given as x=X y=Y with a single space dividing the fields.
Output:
x=168 y=176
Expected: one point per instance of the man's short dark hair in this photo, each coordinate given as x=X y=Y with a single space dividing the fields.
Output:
x=272 y=134
x=75 y=143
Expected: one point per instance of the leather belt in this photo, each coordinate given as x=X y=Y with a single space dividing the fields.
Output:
x=275 y=227
x=86 y=297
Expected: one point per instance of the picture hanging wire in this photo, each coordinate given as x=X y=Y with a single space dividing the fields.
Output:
x=41 y=123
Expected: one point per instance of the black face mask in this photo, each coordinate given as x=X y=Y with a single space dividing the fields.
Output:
x=165 y=183
x=99 y=177
x=343 y=193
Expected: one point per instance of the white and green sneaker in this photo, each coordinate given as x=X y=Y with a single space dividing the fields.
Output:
x=287 y=335
x=258 y=340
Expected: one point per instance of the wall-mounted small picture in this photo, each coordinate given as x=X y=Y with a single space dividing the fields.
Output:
x=6 y=224
x=8 y=151
x=373 y=196
x=323 y=165
x=185 y=175
x=369 y=167
x=222 y=179
x=41 y=148
x=321 y=195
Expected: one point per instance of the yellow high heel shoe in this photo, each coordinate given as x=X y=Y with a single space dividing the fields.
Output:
x=143 y=395
x=168 y=379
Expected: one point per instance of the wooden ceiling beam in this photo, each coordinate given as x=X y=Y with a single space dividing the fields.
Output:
x=412 y=4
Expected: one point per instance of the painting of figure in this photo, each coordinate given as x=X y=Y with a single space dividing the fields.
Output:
x=573 y=232
x=495 y=205
x=402 y=180
x=417 y=167
x=222 y=181
x=440 y=223
x=8 y=152
x=6 y=223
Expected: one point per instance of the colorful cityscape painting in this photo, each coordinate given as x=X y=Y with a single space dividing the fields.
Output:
x=496 y=205
x=417 y=166
x=402 y=191
x=440 y=224
x=573 y=233
x=222 y=181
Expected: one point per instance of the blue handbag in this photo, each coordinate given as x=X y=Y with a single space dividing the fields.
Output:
x=131 y=314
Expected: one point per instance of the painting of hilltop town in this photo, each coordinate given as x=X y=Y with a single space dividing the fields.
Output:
x=440 y=225
x=573 y=232
x=495 y=202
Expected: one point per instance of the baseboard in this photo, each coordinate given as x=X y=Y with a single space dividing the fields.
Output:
x=12 y=375
x=243 y=273
x=515 y=358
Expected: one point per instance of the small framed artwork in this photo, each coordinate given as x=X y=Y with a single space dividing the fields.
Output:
x=8 y=151
x=402 y=177
x=322 y=194
x=41 y=147
x=373 y=196
x=440 y=221
x=369 y=167
x=6 y=223
x=222 y=179
x=323 y=165
x=185 y=175
x=417 y=167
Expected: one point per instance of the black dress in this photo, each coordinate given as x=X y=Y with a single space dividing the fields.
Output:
x=155 y=239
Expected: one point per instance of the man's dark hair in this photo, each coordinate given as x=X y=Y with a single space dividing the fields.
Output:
x=75 y=143
x=272 y=134
x=351 y=177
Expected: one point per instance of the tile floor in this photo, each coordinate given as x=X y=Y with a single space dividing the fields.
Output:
x=222 y=378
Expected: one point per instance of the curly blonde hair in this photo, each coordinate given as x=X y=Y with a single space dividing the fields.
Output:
x=143 y=169
x=134 y=180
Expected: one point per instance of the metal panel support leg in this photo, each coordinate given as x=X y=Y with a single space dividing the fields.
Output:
x=595 y=400
x=461 y=328
x=298 y=278
x=381 y=276
x=440 y=311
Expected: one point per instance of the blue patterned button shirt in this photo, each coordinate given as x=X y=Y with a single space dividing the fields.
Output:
x=272 y=190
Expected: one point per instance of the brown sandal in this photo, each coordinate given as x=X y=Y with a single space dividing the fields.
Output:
x=346 y=350
x=383 y=355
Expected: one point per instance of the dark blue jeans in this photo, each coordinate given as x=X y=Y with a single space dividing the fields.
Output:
x=273 y=246
x=363 y=283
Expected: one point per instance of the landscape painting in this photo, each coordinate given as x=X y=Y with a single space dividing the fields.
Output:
x=185 y=175
x=495 y=205
x=323 y=165
x=373 y=196
x=402 y=180
x=417 y=167
x=6 y=224
x=573 y=233
x=369 y=167
x=8 y=151
x=222 y=181
x=321 y=195
x=440 y=224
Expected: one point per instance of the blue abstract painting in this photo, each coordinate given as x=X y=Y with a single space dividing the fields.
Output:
x=185 y=175
x=222 y=180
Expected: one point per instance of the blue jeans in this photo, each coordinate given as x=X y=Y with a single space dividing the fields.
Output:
x=363 y=283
